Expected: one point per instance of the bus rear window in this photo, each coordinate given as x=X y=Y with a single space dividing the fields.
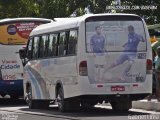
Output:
x=115 y=34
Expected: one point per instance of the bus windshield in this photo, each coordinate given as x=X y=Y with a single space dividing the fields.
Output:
x=115 y=34
x=16 y=33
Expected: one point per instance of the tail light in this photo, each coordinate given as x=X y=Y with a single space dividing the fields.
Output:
x=149 y=64
x=83 y=68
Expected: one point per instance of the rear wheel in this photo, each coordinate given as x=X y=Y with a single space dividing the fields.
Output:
x=121 y=105
x=35 y=104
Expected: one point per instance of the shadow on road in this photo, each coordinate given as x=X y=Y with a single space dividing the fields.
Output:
x=53 y=111
x=90 y=112
x=7 y=102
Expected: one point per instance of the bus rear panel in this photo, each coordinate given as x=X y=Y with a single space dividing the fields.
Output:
x=118 y=57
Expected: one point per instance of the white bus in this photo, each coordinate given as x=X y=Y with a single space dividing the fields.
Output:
x=14 y=33
x=86 y=60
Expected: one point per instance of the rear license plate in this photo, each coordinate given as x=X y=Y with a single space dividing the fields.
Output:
x=117 y=88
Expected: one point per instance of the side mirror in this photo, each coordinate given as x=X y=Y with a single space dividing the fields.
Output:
x=22 y=53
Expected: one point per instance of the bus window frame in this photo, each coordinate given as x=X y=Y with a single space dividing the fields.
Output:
x=56 y=32
x=56 y=45
x=40 y=40
x=30 y=39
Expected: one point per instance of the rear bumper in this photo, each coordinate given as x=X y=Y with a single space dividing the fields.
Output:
x=11 y=87
x=108 y=98
x=106 y=88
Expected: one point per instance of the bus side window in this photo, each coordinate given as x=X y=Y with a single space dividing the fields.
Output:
x=35 y=47
x=29 y=49
x=43 y=51
x=62 y=46
x=72 y=42
x=53 y=38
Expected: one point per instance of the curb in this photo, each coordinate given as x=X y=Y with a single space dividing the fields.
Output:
x=152 y=105
x=147 y=105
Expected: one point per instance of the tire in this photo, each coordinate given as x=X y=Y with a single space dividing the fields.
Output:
x=35 y=104
x=28 y=97
x=123 y=106
x=62 y=103
x=66 y=105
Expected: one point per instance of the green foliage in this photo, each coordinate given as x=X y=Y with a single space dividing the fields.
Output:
x=64 y=8
x=18 y=8
x=152 y=15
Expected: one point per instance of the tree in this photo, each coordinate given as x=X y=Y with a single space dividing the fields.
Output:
x=18 y=8
x=64 y=8
x=151 y=16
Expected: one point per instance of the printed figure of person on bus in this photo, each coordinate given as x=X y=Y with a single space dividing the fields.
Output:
x=97 y=46
x=129 y=52
x=97 y=41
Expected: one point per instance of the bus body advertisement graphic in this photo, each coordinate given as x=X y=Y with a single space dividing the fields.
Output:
x=104 y=39
x=14 y=35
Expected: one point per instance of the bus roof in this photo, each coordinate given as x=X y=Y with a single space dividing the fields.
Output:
x=11 y=20
x=66 y=23
x=62 y=19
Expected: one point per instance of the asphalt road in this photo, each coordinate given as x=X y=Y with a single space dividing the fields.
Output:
x=18 y=110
